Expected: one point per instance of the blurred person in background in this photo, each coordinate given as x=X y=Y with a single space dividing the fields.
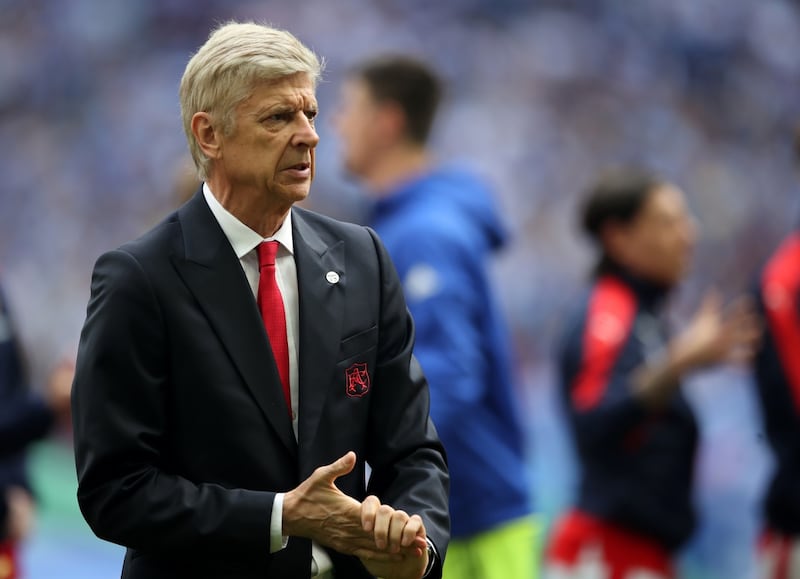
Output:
x=621 y=374
x=243 y=361
x=441 y=227
x=25 y=417
x=777 y=372
x=186 y=183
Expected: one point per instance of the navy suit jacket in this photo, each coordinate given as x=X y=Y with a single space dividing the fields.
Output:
x=182 y=437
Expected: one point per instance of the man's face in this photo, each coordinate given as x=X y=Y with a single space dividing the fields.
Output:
x=658 y=243
x=271 y=149
x=357 y=122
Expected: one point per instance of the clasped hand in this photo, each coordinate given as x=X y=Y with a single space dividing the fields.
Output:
x=389 y=542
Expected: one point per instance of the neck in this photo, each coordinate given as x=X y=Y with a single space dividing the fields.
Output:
x=395 y=167
x=254 y=210
x=646 y=288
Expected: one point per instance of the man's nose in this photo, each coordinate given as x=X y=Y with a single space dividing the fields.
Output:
x=306 y=134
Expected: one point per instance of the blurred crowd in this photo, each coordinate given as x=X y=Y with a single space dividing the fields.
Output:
x=541 y=96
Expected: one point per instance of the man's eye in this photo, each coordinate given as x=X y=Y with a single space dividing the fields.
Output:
x=311 y=115
x=277 y=117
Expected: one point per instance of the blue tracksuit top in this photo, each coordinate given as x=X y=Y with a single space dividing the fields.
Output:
x=777 y=372
x=440 y=230
x=636 y=465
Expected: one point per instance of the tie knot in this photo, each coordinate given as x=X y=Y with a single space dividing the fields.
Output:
x=267 y=252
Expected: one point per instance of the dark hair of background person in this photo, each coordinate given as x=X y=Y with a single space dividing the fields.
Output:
x=408 y=82
x=616 y=197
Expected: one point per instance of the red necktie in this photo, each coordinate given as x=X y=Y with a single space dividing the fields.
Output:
x=270 y=303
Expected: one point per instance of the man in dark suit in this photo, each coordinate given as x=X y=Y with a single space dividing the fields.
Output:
x=243 y=361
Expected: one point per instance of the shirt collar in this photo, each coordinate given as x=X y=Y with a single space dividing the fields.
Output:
x=241 y=237
x=651 y=293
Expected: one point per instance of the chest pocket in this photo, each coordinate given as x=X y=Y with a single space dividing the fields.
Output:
x=358 y=343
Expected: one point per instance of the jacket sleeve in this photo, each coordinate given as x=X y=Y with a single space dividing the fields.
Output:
x=23 y=420
x=597 y=361
x=125 y=488
x=24 y=415
x=409 y=469
x=778 y=363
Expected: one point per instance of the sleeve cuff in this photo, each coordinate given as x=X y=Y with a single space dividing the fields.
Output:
x=277 y=541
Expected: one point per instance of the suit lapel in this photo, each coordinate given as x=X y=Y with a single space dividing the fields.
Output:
x=321 y=311
x=214 y=275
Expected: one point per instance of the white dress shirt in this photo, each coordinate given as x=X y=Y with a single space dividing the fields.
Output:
x=244 y=242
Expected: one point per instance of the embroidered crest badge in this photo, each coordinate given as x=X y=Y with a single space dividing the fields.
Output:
x=357 y=377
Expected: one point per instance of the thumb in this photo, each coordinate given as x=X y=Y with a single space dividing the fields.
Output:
x=340 y=467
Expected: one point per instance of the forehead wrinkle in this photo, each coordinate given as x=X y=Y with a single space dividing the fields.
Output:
x=286 y=102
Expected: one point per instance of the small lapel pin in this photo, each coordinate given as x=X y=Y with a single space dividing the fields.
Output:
x=332 y=277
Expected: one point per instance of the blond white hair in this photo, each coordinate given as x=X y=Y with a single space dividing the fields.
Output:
x=224 y=71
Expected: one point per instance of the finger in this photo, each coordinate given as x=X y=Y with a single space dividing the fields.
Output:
x=741 y=304
x=740 y=312
x=746 y=329
x=340 y=467
x=744 y=316
x=417 y=547
x=372 y=555
x=349 y=543
x=369 y=508
x=383 y=519
x=750 y=332
x=414 y=528
x=742 y=356
x=742 y=321
x=420 y=544
x=397 y=525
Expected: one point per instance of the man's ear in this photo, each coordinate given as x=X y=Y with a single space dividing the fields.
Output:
x=614 y=239
x=393 y=121
x=207 y=135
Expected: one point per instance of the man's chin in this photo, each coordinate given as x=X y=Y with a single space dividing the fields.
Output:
x=296 y=195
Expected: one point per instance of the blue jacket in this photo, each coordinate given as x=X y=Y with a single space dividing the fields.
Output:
x=440 y=230
x=636 y=465
x=777 y=371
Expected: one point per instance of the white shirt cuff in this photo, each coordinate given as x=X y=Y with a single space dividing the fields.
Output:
x=277 y=541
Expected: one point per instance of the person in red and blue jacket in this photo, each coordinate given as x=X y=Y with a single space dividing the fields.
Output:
x=25 y=417
x=777 y=373
x=621 y=372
